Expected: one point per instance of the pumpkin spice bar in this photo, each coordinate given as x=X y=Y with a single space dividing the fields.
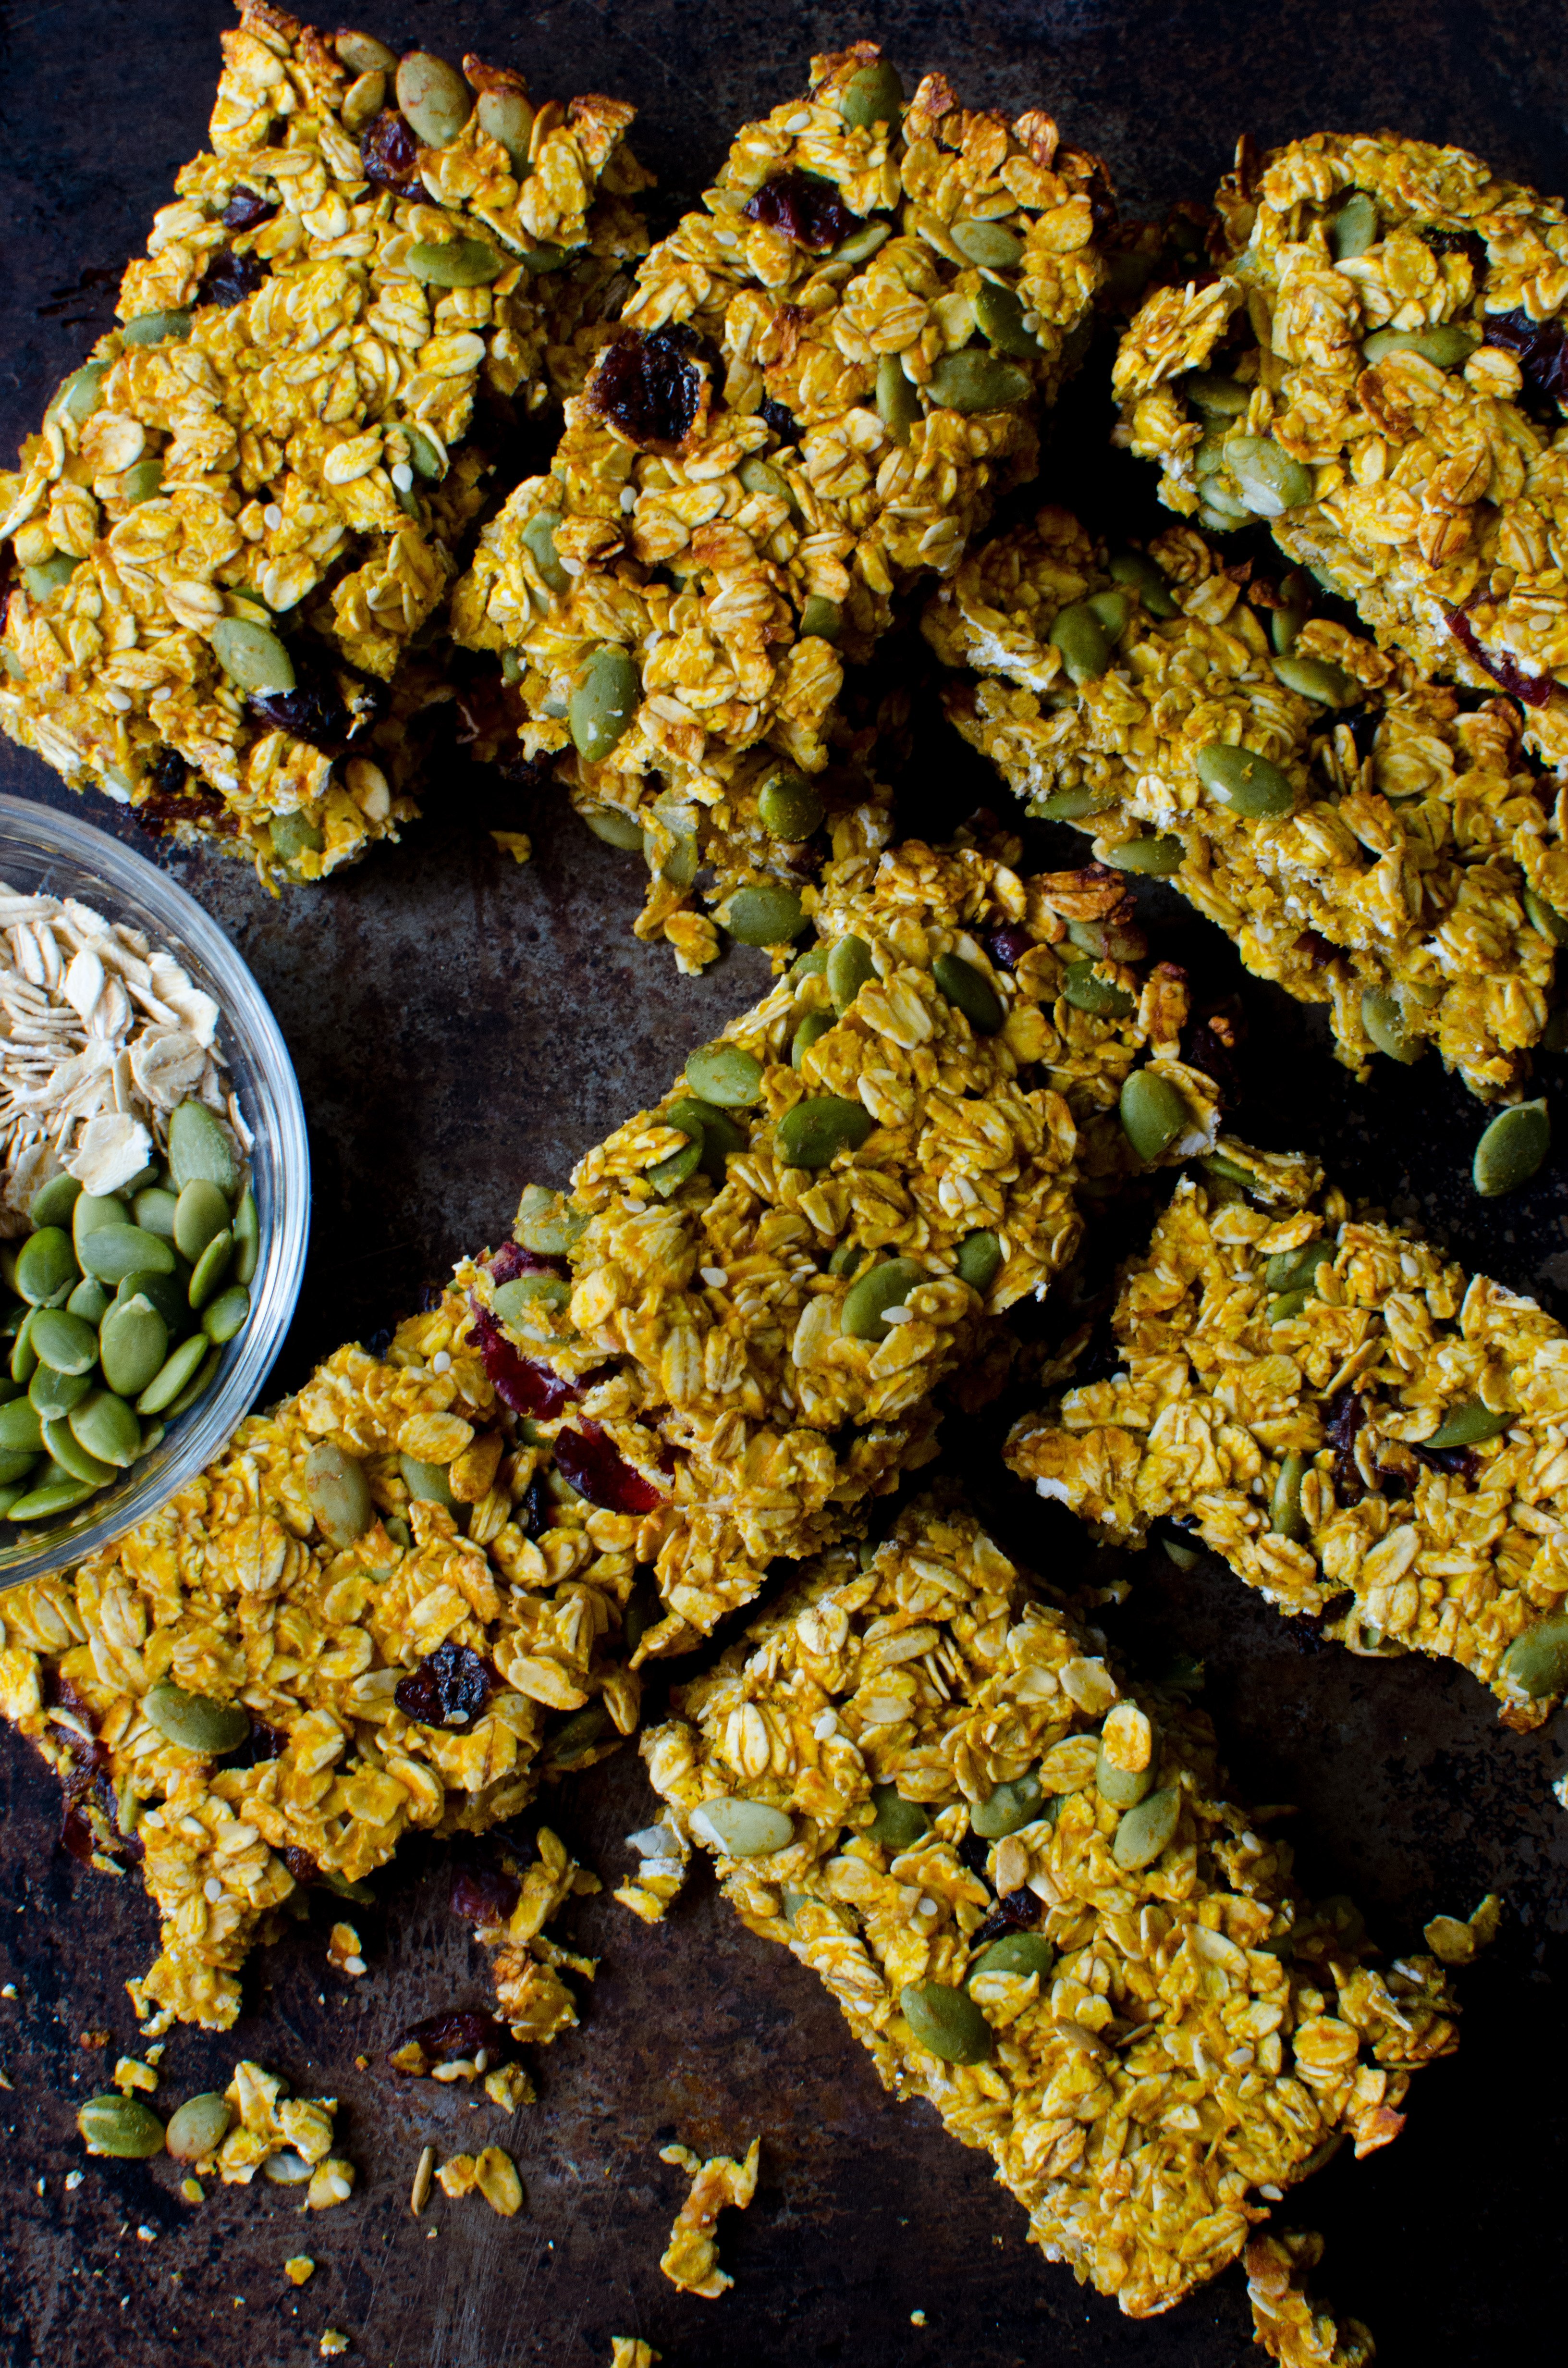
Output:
x=1377 y=371
x=1357 y=1425
x=242 y=514
x=823 y=379
x=1037 y=1906
x=1360 y=838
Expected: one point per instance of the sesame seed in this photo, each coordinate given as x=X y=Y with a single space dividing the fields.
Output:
x=212 y=1889
x=402 y=477
x=826 y=1724
x=441 y=1362
x=272 y=518
x=715 y=1277
x=898 y=1315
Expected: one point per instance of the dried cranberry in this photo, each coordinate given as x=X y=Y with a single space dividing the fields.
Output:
x=1316 y=948
x=1007 y=944
x=781 y=418
x=484 y=1895
x=805 y=208
x=246 y=208
x=588 y=1459
x=1533 y=689
x=452 y=2038
x=85 y=1779
x=299 y=1864
x=229 y=278
x=263 y=1743
x=1461 y=1461
x=450 y=1688
x=204 y=806
x=1347 y=1413
x=1458 y=242
x=973 y=1850
x=520 y=1383
x=1203 y=1048
x=647 y=387
x=539 y=1508
x=389 y=150
x=1015 y=1911
x=1539 y=348
x=59 y=1693
x=311 y=711
x=512 y=1260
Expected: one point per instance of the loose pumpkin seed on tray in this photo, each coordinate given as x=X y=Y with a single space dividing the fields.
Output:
x=1028 y=1886
x=240 y=519
x=823 y=380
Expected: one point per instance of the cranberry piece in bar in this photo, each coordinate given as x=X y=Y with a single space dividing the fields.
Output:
x=647 y=386
x=246 y=209
x=308 y=712
x=229 y=278
x=588 y=1459
x=484 y=1895
x=450 y=1688
x=447 y=2039
x=805 y=208
x=1007 y=944
x=1534 y=689
x=389 y=150
x=512 y=1260
x=519 y=1381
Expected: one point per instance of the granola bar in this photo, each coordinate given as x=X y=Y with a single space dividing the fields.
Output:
x=243 y=512
x=823 y=379
x=1028 y=1890
x=1385 y=856
x=1375 y=370
x=1339 y=1411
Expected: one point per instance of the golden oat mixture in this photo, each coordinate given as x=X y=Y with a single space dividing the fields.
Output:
x=1377 y=371
x=1292 y=2325
x=1029 y=1891
x=823 y=380
x=1361 y=838
x=238 y=524
x=1357 y=1425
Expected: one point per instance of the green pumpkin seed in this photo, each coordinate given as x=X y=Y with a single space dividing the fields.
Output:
x=1016 y=1953
x=339 y=1494
x=195 y=1722
x=362 y=53
x=1468 y=1425
x=134 y=1343
x=172 y=1376
x=539 y=537
x=760 y=476
x=425 y=1483
x=979 y=1262
x=1083 y=641
x=668 y=1175
x=122 y=2126
x=155 y=328
x=197 y=2128
x=74 y=1459
x=719 y=1137
x=48 y=575
x=872 y=94
x=115 y=1251
x=247 y=1237
x=1008 y=1810
x=1153 y=1113
x=989 y=244
x=459 y=263
x=1159 y=857
x=1537 y=1662
x=1286 y=621
x=1270 y=482
x=614 y=826
x=52 y=1203
x=969 y=991
x=505 y=117
x=292 y=835
x=789 y=808
x=898 y=404
x=880 y=1287
x=765 y=917
x=813 y=963
x=211 y=1267
x=164 y=1292
x=848 y=1259
x=1353 y=227
x=1511 y=1151
x=861 y=245
x=77 y=397
x=1123 y=1787
x=727 y=1075
x=742 y=1828
x=899 y=1824
x=531 y=1294
x=817 y=1129
x=1087 y=991
x=850 y=964
x=251 y=656
x=199 y=1147
x=46 y=1264
x=543 y=258
x=1147 y=1830
x=143 y=480
x=153 y=1210
x=1537 y=910
x=1446 y=347
x=21 y=1428
x=104 y=1426
x=1289 y=1306
x=1244 y=781
x=91 y=1213
x=999 y=317
x=51 y=1499
x=604 y=702
x=945 y=2022
x=1314 y=679
x=434 y=97
x=1114 y=611
x=63 y=1342
x=814 y=1026
x=200 y=1214
x=1148 y=580
x=205 y=1373
x=1295 y=1269
x=1285 y=1516
x=1216 y=396
x=24 y=1357
x=226 y=1314
x=972 y=381
x=821 y=617
x=546 y=1223
x=1384 y=1023
x=53 y=1394
x=1071 y=805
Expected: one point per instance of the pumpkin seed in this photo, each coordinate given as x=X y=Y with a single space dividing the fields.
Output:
x=1159 y=856
x=46 y=1264
x=1295 y=1269
x=115 y=1251
x=742 y=1828
x=760 y=476
x=195 y=1722
x=197 y=2128
x=862 y=244
x=24 y=1357
x=92 y=1211
x=505 y=117
x=1286 y=621
x=226 y=1314
x=77 y=397
x=1353 y=227
x=201 y=1214
x=362 y=53
x=1384 y=1023
x=53 y=1394
x=1244 y=781
x=880 y=1287
x=153 y=1210
x=292 y=834
x=765 y=917
x=1071 y=805
x=1447 y=346
x=459 y=263
x=1148 y=580
x=1153 y=1113
x=611 y=825
x=1289 y=1305
x=972 y=381
x=979 y=1262
x=543 y=259
x=814 y=1026
x=1217 y=396
x=1147 y=1830
x=604 y=701
x=999 y=317
x=1009 y=1808
x=52 y=1203
x=514 y=1301
x=1537 y=1662
x=666 y=1176
x=1114 y=611
x=848 y=1258
x=172 y=1376
x=21 y=1427
x=970 y=992
x=821 y=617
x=1537 y=911
x=339 y=1494
x=132 y=1343
x=1016 y=1953
x=1285 y=1516
x=989 y=244
x=434 y=97
x=872 y=94
x=547 y=1225
x=726 y=1075
x=1123 y=1787
x=199 y=1147
x=1511 y=1150
x=813 y=963
x=425 y=1483
x=538 y=537
x=816 y=1131
x=1083 y=641
x=850 y=965
x=1315 y=678
x=46 y=1502
x=12 y=1468
x=62 y=1341
x=104 y=1428
x=156 y=329
x=718 y=1133
x=285 y=2170
x=789 y=808
x=251 y=656
x=898 y=404
x=945 y=2022
x=123 y=2126
x=1087 y=991
x=899 y=1824
x=48 y=575
x=165 y=1292
x=1467 y=1426
x=1270 y=482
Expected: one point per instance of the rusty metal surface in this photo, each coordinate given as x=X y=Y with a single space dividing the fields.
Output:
x=459 y=1024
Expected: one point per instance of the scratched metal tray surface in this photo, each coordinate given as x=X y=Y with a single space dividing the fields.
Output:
x=460 y=1024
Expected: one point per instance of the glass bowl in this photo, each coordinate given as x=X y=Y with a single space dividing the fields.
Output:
x=43 y=852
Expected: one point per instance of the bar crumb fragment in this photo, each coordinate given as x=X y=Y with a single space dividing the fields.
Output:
x=690 y=2259
x=1030 y=1894
x=1293 y=2327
